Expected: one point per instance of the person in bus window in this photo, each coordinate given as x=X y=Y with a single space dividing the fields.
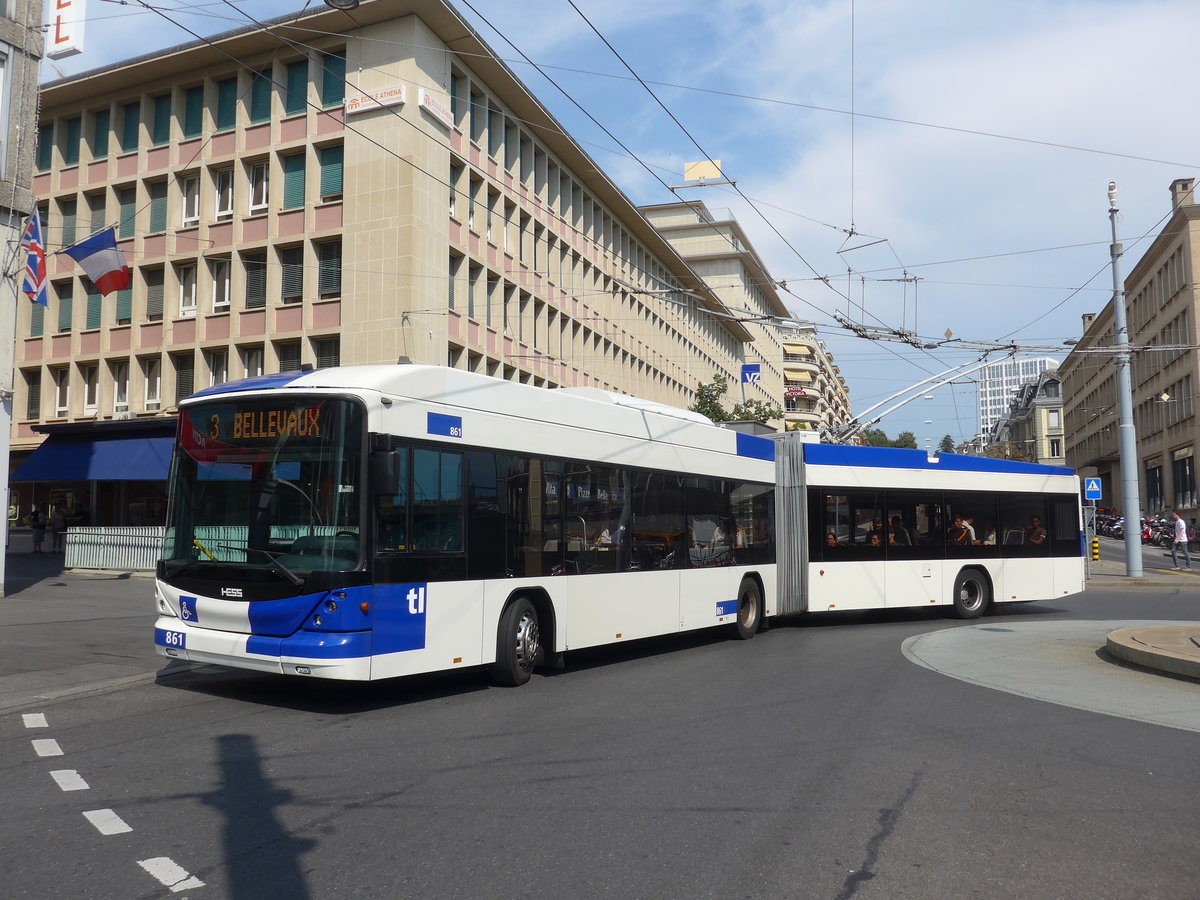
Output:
x=875 y=539
x=899 y=533
x=1034 y=532
x=970 y=526
x=957 y=533
x=831 y=540
x=989 y=533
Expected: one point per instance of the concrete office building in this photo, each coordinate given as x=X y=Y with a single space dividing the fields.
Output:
x=999 y=382
x=332 y=188
x=1161 y=312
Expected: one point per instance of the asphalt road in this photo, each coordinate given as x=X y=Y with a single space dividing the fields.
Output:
x=822 y=759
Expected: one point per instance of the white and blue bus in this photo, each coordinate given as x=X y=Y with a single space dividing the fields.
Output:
x=377 y=521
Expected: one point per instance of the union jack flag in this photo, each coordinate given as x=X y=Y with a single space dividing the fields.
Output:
x=35 y=261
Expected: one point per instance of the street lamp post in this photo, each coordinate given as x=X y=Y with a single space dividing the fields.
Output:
x=1126 y=435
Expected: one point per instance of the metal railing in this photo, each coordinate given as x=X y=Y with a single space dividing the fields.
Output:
x=126 y=547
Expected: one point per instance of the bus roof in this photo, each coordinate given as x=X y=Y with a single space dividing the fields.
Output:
x=896 y=458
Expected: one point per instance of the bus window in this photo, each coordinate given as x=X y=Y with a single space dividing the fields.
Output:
x=971 y=523
x=437 y=500
x=916 y=525
x=852 y=525
x=1022 y=529
x=391 y=504
x=753 y=512
x=710 y=530
x=1064 y=525
x=657 y=529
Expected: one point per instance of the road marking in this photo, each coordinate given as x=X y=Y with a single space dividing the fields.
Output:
x=47 y=747
x=69 y=780
x=170 y=874
x=35 y=720
x=106 y=821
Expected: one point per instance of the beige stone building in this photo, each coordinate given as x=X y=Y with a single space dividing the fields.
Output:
x=816 y=396
x=1033 y=429
x=1161 y=310
x=337 y=188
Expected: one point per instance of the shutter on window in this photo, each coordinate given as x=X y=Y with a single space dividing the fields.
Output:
x=124 y=304
x=66 y=304
x=71 y=148
x=154 y=293
x=328 y=353
x=289 y=357
x=100 y=134
x=329 y=275
x=69 y=217
x=297 y=87
x=97 y=207
x=193 y=112
x=37 y=320
x=131 y=120
x=158 y=207
x=185 y=370
x=33 y=402
x=256 y=280
x=333 y=78
x=126 y=199
x=291 y=260
x=293 y=181
x=260 y=97
x=331 y=171
x=94 y=306
x=45 y=151
x=162 y=119
x=226 y=104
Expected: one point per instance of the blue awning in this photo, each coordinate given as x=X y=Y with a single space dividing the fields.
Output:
x=75 y=457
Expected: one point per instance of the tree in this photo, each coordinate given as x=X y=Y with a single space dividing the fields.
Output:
x=708 y=403
x=947 y=444
x=876 y=437
x=905 y=439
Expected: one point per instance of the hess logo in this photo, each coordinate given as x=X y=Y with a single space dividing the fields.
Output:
x=416 y=601
x=231 y=592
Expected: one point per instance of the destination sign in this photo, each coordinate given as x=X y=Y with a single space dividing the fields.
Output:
x=264 y=424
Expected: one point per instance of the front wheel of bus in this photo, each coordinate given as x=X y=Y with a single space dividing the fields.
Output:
x=516 y=644
x=971 y=594
x=749 y=610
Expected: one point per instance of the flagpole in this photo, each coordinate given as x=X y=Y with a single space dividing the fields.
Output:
x=8 y=313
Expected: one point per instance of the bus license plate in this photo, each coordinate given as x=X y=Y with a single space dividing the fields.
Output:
x=172 y=640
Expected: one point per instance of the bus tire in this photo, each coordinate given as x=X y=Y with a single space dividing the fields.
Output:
x=749 y=610
x=517 y=644
x=972 y=594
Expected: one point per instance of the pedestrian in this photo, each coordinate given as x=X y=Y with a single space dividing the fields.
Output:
x=37 y=525
x=1180 y=542
x=58 y=529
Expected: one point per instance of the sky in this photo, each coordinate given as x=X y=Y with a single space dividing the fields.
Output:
x=928 y=165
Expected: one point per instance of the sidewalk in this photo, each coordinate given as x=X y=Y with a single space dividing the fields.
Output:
x=69 y=633
x=1156 y=569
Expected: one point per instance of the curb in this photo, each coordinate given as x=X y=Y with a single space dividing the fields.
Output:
x=1171 y=649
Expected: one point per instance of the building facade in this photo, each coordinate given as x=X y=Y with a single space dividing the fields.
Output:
x=1161 y=313
x=999 y=381
x=339 y=189
x=1033 y=429
x=816 y=396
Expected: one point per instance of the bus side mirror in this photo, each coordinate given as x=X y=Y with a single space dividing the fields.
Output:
x=385 y=472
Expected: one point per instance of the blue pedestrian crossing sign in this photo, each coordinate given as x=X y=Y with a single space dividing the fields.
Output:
x=1091 y=489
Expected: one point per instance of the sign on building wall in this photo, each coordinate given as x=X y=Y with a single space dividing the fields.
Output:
x=365 y=102
x=751 y=373
x=66 y=28
x=436 y=108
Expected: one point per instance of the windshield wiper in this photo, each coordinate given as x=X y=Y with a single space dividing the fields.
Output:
x=276 y=566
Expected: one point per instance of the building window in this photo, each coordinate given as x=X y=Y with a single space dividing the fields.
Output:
x=1184 y=477
x=260 y=97
x=333 y=78
x=255 y=265
x=33 y=393
x=158 y=206
x=328 y=352
x=124 y=306
x=259 y=173
x=331 y=161
x=160 y=132
x=226 y=117
x=131 y=125
x=329 y=269
x=37 y=320
x=190 y=187
x=154 y=294
x=218 y=366
x=186 y=275
x=95 y=306
x=1055 y=447
x=291 y=263
x=1054 y=419
x=293 y=180
x=252 y=361
x=455 y=172
x=296 y=83
x=66 y=303
x=219 y=271
x=96 y=211
x=90 y=376
x=289 y=356
x=70 y=136
x=101 y=125
x=62 y=391
x=224 y=186
x=185 y=375
x=193 y=112
x=152 y=373
x=45 y=150
x=68 y=210
x=120 y=374
x=126 y=211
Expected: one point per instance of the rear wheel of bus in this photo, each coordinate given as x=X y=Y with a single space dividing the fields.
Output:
x=517 y=644
x=749 y=610
x=972 y=594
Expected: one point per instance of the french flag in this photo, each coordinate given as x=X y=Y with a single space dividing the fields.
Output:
x=99 y=257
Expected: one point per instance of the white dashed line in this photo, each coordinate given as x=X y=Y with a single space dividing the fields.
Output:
x=35 y=720
x=69 y=780
x=47 y=747
x=106 y=821
x=170 y=874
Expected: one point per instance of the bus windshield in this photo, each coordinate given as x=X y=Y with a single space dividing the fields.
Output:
x=267 y=483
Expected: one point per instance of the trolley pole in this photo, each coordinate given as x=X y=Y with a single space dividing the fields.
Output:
x=1126 y=435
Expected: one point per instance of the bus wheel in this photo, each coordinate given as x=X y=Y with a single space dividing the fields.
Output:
x=516 y=644
x=749 y=610
x=971 y=594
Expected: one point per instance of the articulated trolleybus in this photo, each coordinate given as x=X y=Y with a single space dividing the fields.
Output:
x=377 y=521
